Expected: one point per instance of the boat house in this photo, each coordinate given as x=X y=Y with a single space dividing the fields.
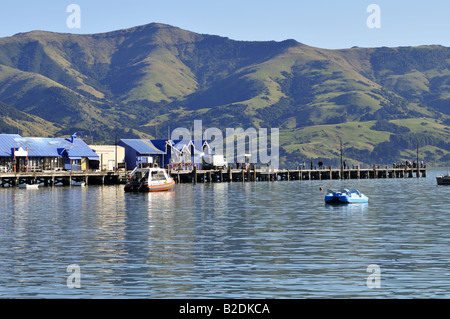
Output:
x=35 y=154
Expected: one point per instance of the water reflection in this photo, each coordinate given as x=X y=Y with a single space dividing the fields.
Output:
x=227 y=240
x=348 y=208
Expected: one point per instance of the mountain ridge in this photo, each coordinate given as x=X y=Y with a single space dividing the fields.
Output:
x=142 y=80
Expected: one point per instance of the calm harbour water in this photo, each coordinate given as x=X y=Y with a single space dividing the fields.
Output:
x=227 y=240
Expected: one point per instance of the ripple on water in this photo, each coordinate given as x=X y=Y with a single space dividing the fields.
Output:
x=229 y=240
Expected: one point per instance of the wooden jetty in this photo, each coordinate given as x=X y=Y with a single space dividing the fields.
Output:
x=253 y=175
x=55 y=178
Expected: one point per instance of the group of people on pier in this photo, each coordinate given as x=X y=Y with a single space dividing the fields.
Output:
x=409 y=164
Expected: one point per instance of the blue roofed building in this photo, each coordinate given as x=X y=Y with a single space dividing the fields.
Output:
x=33 y=154
x=142 y=153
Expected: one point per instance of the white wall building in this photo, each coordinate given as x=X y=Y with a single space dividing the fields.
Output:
x=107 y=155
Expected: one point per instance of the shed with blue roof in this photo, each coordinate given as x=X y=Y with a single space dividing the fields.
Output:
x=142 y=152
x=34 y=154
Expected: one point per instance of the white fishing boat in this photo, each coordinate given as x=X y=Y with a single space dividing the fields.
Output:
x=78 y=183
x=150 y=179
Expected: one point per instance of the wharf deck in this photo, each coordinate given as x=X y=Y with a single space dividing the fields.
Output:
x=55 y=178
x=242 y=175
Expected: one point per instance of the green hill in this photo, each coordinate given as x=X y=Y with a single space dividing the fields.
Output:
x=144 y=80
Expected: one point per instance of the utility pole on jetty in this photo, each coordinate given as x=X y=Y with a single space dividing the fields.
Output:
x=342 y=167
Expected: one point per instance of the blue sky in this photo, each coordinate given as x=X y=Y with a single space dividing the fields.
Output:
x=329 y=24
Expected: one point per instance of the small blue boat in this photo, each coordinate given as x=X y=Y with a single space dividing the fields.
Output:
x=345 y=196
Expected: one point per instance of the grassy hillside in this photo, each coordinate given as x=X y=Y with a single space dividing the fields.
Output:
x=141 y=81
x=13 y=121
